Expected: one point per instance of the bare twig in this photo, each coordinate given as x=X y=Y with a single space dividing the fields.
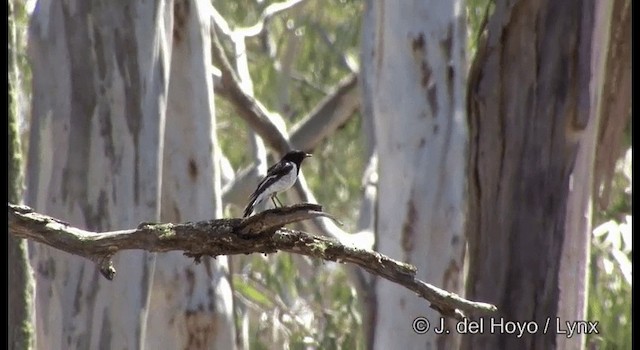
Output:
x=261 y=233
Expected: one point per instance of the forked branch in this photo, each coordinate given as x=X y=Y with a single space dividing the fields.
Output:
x=261 y=233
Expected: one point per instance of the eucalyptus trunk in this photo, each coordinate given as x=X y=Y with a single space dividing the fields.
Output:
x=191 y=304
x=20 y=294
x=533 y=107
x=417 y=96
x=100 y=81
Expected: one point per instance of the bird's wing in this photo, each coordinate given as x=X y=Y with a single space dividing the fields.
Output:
x=273 y=166
x=249 y=208
x=274 y=173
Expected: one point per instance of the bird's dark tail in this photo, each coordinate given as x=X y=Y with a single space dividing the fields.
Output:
x=249 y=208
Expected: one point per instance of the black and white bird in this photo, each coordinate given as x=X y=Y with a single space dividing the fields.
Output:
x=280 y=177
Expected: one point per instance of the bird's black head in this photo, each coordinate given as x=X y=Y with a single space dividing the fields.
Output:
x=296 y=156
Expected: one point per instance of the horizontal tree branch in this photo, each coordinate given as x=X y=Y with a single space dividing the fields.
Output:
x=261 y=233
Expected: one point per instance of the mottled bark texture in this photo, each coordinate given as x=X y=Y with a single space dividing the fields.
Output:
x=530 y=104
x=417 y=91
x=20 y=295
x=616 y=101
x=191 y=306
x=261 y=233
x=610 y=107
x=367 y=69
x=100 y=77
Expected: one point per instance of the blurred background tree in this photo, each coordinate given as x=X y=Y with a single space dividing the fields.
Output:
x=20 y=299
x=296 y=61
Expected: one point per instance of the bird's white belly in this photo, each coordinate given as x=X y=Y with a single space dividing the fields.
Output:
x=284 y=184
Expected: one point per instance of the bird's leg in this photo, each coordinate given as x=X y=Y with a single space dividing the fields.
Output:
x=276 y=199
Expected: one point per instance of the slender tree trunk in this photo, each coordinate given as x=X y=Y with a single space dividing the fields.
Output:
x=367 y=69
x=533 y=90
x=616 y=109
x=418 y=103
x=609 y=20
x=20 y=298
x=191 y=305
x=100 y=76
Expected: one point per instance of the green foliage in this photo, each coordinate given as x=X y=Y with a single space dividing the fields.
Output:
x=610 y=287
x=294 y=302
x=478 y=11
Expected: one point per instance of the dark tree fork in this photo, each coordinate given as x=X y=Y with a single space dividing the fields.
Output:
x=261 y=233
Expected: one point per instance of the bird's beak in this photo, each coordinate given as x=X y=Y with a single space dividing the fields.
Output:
x=307 y=155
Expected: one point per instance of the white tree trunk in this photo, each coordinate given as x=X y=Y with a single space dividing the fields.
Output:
x=191 y=305
x=100 y=74
x=418 y=93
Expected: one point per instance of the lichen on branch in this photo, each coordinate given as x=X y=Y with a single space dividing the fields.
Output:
x=261 y=233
